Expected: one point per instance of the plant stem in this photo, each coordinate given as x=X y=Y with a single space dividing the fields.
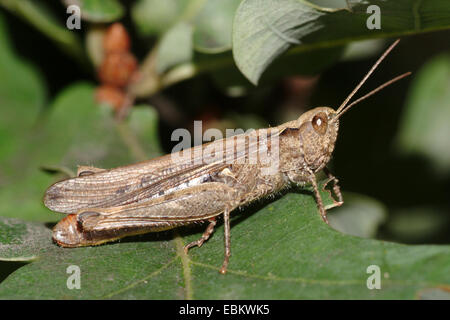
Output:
x=39 y=17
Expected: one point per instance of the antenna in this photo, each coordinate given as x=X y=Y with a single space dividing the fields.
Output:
x=384 y=85
x=343 y=105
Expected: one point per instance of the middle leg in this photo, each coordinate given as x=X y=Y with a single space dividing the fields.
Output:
x=205 y=236
x=336 y=187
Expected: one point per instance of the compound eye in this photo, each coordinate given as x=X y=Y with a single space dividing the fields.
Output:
x=320 y=123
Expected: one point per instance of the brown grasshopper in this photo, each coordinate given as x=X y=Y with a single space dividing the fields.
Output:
x=163 y=193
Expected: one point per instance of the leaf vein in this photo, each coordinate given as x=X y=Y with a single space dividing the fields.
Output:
x=134 y=284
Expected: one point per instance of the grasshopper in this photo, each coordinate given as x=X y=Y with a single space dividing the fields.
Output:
x=163 y=193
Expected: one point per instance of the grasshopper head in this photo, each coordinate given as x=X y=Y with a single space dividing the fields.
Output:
x=318 y=131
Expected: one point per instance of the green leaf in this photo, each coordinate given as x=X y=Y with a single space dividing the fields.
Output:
x=424 y=128
x=211 y=21
x=154 y=17
x=213 y=26
x=143 y=123
x=102 y=141
x=175 y=47
x=281 y=251
x=101 y=10
x=22 y=241
x=22 y=97
x=264 y=29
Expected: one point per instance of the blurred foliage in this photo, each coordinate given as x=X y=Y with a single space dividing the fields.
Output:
x=425 y=128
x=197 y=61
x=40 y=17
x=360 y=217
x=99 y=10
